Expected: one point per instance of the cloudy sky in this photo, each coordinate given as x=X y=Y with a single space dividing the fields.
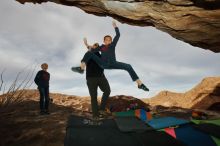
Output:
x=33 y=34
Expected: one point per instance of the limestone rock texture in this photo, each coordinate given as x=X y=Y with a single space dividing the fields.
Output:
x=202 y=96
x=196 y=22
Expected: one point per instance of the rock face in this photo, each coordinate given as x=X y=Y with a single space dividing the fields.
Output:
x=196 y=22
x=204 y=96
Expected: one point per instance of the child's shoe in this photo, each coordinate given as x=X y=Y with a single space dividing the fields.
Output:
x=46 y=112
x=142 y=86
x=77 y=69
x=42 y=112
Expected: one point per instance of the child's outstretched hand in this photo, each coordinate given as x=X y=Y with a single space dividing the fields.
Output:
x=114 y=23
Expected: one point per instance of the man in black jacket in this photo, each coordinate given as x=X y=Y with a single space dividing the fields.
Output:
x=42 y=80
x=95 y=78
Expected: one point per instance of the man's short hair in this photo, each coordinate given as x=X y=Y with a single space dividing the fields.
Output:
x=96 y=45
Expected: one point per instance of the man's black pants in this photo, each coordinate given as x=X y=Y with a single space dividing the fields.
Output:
x=93 y=83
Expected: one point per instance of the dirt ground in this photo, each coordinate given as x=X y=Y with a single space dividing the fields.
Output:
x=22 y=125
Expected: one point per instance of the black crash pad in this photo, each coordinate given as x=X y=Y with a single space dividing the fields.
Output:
x=131 y=124
x=209 y=128
x=108 y=134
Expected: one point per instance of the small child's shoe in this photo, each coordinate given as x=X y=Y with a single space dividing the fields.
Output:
x=42 y=112
x=142 y=86
x=46 y=112
x=77 y=69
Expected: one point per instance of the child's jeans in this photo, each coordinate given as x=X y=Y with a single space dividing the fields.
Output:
x=44 y=98
x=110 y=64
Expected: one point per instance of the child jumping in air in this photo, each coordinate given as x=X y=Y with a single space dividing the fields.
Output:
x=108 y=58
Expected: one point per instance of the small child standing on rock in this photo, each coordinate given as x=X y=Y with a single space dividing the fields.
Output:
x=42 y=80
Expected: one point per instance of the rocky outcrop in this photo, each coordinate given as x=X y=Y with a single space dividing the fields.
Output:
x=203 y=96
x=196 y=22
x=124 y=103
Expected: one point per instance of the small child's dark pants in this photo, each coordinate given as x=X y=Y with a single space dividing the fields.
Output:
x=44 y=98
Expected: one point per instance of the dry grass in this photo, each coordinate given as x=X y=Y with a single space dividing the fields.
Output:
x=12 y=93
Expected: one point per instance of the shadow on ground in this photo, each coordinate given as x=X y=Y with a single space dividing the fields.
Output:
x=21 y=125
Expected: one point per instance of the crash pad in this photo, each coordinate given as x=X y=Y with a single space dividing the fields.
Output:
x=170 y=131
x=108 y=134
x=130 y=113
x=216 y=121
x=164 y=122
x=210 y=129
x=217 y=140
x=143 y=115
x=157 y=138
x=131 y=124
x=193 y=137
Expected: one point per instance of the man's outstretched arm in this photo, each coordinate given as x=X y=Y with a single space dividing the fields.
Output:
x=90 y=48
x=117 y=36
x=86 y=43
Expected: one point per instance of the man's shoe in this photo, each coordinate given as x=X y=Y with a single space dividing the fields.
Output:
x=97 y=121
x=103 y=113
x=77 y=69
x=143 y=87
x=96 y=118
x=94 y=121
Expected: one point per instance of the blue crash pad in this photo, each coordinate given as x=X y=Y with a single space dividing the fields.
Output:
x=164 y=122
x=193 y=137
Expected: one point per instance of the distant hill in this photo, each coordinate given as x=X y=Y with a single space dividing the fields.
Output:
x=205 y=95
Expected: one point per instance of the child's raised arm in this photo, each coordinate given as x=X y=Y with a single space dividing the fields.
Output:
x=116 y=38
